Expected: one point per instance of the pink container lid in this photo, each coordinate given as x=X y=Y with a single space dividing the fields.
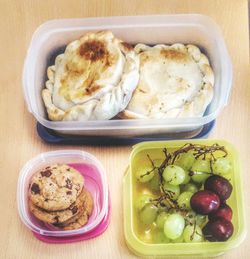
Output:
x=71 y=239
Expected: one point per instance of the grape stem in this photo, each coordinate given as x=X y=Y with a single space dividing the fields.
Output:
x=198 y=151
x=167 y=198
x=192 y=236
x=147 y=172
x=202 y=150
x=184 y=149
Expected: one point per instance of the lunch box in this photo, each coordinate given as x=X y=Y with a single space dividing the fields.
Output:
x=51 y=38
x=203 y=249
x=95 y=182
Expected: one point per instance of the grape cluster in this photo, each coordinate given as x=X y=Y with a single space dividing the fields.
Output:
x=187 y=193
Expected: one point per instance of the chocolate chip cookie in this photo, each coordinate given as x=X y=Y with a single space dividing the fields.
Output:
x=61 y=216
x=56 y=187
x=82 y=218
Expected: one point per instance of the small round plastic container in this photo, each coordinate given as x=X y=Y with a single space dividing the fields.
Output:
x=51 y=38
x=139 y=246
x=95 y=182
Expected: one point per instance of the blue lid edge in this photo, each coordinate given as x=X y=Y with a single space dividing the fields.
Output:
x=51 y=137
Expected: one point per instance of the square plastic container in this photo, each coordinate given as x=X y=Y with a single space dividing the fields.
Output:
x=51 y=38
x=95 y=183
x=203 y=249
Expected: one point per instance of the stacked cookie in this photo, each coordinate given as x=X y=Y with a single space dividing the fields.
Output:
x=57 y=196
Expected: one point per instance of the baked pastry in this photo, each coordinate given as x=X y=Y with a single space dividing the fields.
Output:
x=61 y=216
x=56 y=187
x=175 y=81
x=92 y=80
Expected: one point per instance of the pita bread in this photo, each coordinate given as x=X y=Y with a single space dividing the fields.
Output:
x=92 y=80
x=175 y=81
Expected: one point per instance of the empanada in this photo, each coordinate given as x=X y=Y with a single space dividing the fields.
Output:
x=175 y=81
x=92 y=80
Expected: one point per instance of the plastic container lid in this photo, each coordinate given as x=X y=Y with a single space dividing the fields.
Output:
x=95 y=183
x=50 y=136
x=203 y=249
x=98 y=230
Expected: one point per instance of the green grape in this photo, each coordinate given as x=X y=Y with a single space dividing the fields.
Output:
x=144 y=173
x=178 y=240
x=200 y=219
x=192 y=234
x=201 y=170
x=184 y=200
x=190 y=187
x=142 y=201
x=200 y=177
x=154 y=183
x=174 y=175
x=173 y=190
x=222 y=165
x=160 y=237
x=174 y=226
x=185 y=161
x=148 y=214
x=187 y=178
x=161 y=218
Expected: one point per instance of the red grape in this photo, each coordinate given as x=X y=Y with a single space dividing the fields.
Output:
x=219 y=185
x=218 y=230
x=224 y=212
x=204 y=202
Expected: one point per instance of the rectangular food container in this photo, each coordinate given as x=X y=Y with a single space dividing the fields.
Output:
x=95 y=183
x=203 y=249
x=51 y=38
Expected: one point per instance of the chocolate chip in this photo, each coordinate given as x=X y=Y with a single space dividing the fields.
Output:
x=68 y=184
x=58 y=225
x=56 y=218
x=46 y=173
x=35 y=188
x=69 y=192
x=74 y=210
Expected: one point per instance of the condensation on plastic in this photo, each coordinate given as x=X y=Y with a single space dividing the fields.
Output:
x=50 y=39
x=203 y=249
x=95 y=182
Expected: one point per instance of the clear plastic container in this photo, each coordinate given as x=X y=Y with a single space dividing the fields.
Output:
x=95 y=183
x=203 y=249
x=50 y=39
